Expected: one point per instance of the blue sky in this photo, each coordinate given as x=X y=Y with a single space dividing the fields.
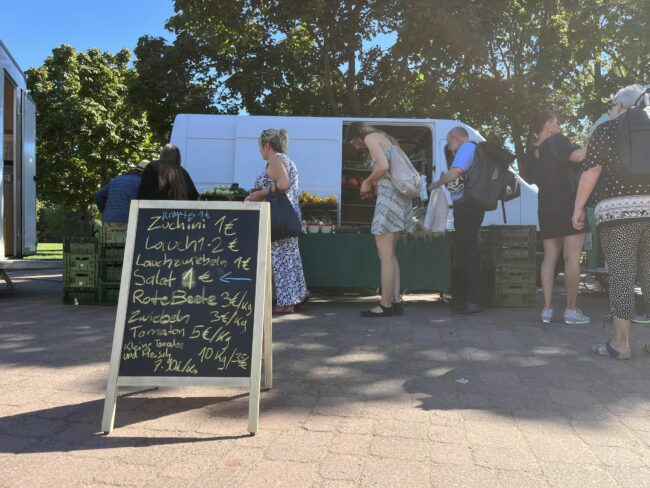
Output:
x=32 y=28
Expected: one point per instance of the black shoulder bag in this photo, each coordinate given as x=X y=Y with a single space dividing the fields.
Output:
x=284 y=220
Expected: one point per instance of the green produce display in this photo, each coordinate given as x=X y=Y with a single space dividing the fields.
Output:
x=226 y=191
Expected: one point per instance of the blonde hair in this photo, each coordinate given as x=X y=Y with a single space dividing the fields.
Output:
x=278 y=139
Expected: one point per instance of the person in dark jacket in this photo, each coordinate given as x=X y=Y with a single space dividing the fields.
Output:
x=165 y=179
x=114 y=198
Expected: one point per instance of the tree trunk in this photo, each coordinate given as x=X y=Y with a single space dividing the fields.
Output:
x=87 y=224
x=327 y=77
x=351 y=82
x=323 y=45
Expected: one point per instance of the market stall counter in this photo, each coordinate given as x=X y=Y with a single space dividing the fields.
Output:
x=345 y=260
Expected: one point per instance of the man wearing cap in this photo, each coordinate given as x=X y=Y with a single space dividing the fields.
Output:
x=114 y=198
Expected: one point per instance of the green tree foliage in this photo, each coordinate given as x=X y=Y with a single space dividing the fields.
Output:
x=491 y=63
x=87 y=132
x=288 y=56
x=512 y=59
x=171 y=79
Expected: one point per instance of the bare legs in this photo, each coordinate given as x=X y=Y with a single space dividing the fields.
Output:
x=552 y=250
x=390 y=279
x=621 y=337
x=572 y=247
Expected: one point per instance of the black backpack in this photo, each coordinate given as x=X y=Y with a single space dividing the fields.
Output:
x=633 y=144
x=489 y=178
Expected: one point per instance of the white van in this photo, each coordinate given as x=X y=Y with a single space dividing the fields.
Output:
x=223 y=149
x=18 y=171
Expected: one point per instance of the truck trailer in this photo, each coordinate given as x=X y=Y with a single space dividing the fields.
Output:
x=223 y=149
x=18 y=171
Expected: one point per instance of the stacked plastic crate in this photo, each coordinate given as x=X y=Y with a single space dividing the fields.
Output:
x=512 y=269
x=110 y=258
x=79 y=271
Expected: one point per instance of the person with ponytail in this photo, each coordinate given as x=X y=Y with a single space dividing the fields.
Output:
x=393 y=214
x=281 y=175
x=553 y=164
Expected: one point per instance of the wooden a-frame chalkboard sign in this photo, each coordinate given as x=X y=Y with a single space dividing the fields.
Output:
x=195 y=300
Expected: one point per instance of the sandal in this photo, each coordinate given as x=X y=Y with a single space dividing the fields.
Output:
x=385 y=312
x=304 y=300
x=286 y=309
x=608 y=351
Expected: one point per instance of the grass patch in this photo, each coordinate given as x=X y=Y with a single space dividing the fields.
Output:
x=48 y=250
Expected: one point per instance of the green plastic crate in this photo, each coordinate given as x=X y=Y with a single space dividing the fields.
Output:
x=519 y=253
x=109 y=294
x=515 y=275
x=80 y=279
x=511 y=233
x=514 y=295
x=83 y=296
x=112 y=253
x=110 y=270
x=80 y=262
x=74 y=245
x=111 y=237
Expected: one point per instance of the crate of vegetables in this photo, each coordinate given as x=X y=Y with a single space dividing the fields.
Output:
x=225 y=193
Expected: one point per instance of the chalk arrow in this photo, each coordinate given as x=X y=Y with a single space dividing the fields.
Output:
x=227 y=279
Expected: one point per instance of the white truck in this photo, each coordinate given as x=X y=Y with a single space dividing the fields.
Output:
x=18 y=171
x=223 y=149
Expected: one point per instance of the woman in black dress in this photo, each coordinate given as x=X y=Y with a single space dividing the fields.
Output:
x=553 y=165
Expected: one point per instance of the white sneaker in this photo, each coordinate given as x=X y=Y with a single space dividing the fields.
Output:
x=547 y=315
x=575 y=317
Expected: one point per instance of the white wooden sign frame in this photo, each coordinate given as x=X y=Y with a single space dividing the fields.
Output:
x=262 y=332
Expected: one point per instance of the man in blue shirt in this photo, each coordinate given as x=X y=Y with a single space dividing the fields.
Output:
x=468 y=287
x=114 y=198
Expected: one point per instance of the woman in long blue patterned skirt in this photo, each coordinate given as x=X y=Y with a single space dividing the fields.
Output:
x=281 y=174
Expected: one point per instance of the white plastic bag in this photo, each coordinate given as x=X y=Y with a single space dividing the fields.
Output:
x=435 y=221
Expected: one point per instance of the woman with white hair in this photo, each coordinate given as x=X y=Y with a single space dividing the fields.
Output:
x=622 y=209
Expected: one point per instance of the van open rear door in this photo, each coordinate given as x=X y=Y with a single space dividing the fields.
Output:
x=29 y=176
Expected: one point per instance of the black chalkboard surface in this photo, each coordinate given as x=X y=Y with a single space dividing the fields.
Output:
x=191 y=294
x=194 y=297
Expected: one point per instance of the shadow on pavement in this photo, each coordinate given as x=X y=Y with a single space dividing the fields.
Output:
x=76 y=427
x=330 y=361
